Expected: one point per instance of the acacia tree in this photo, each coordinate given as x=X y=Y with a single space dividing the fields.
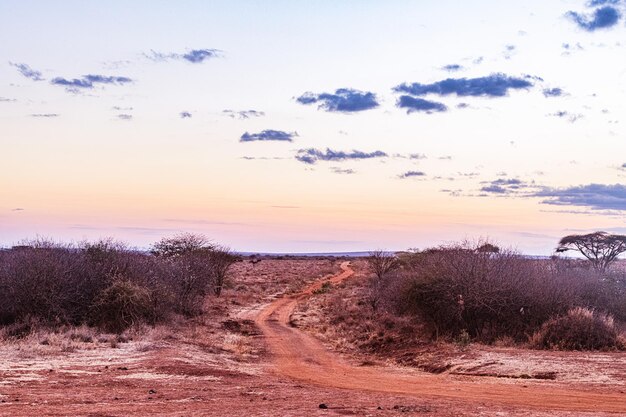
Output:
x=181 y=244
x=600 y=248
x=488 y=248
x=190 y=255
x=206 y=263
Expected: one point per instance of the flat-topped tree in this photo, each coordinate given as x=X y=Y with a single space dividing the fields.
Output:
x=181 y=244
x=488 y=248
x=600 y=248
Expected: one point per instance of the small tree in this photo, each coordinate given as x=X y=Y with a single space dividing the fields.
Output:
x=381 y=263
x=600 y=248
x=181 y=244
x=488 y=248
x=191 y=255
x=221 y=261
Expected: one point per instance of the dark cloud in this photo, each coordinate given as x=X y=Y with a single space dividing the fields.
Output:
x=494 y=85
x=344 y=100
x=594 y=196
x=311 y=156
x=268 y=135
x=28 y=72
x=496 y=189
x=125 y=116
x=570 y=117
x=88 y=81
x=569 y=48
x=553 y=92
x=45 y=115
x=452 y=67
x=185 y=115
x=624 y=166
x=413 y=104
x=509 y=50
x=601 y=18
x=595 y=3
x=411 y=174
x=243 y=114
x=505 y=186
x=195 y=56
x=338 y=170
x=72 y=84
x=103 y=79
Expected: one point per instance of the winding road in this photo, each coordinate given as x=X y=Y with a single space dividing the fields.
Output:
x=301 y=357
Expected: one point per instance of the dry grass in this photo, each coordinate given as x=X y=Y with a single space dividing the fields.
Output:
x=343 y=318
x=256 y=282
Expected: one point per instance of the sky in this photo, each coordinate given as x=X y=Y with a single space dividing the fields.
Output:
x=313 y=126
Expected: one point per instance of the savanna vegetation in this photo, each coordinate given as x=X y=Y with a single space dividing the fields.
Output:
x=478 y=292
x=108 y=285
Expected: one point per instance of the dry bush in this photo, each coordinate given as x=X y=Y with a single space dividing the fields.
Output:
x=201 y=267
x=221 y=260
x=381 y=263
x=579 y=329
x=30 y=283
x=491 y=294
x=106 y=283
x=122 y=305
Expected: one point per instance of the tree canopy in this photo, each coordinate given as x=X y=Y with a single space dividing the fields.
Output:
x=600 y=248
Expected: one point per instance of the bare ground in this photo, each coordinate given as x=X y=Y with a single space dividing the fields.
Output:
x=245 y=359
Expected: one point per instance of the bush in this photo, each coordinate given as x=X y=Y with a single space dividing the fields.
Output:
x=201 y=266
x=106 y=283
x=121 y=305
x=579 y=329
x=492 y=294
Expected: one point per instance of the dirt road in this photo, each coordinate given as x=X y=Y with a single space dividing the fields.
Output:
x=302 y=357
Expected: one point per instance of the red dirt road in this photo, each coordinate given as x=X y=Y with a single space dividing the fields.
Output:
x=300 y=356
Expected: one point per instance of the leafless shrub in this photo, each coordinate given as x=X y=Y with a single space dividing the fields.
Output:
x=491 y=294
x=201 y=267
x=579 y=329
x=221 y=259
x=381 y=263
x=121 y=305
x=108 y=284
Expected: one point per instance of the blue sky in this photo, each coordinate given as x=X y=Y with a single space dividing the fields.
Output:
x=308 y=126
